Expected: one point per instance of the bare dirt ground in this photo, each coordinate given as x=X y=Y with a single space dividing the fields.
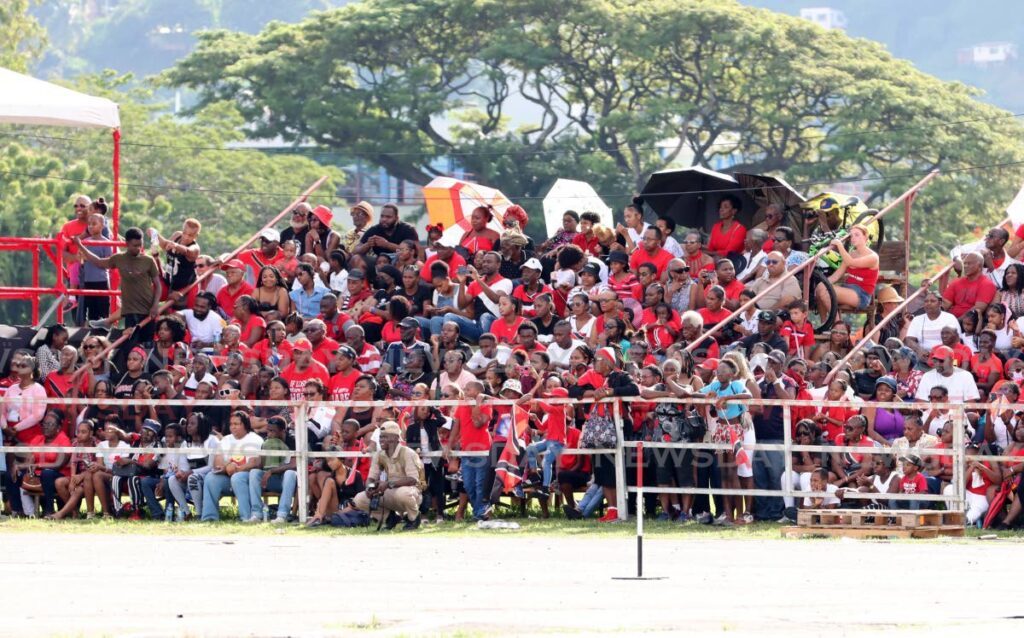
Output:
x=487 y=583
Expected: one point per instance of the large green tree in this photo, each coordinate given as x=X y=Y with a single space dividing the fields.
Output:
x=618 y=89
x=171 y=170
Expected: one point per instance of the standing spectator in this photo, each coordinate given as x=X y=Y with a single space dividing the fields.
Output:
x=20 y=417
x=182 y=252
x=768 y=465
x=140 y=282
x=211 y=283
x=92 y=277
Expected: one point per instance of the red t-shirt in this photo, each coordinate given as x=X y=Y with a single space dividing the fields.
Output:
x=981 y=370
x=555 y=420
x=297 y=380
x=797 y=336
x=263 y=351
x=472 y=438
x=325 y=351
x=592 y=245
x=48 y=458
x=226 y=300
x=342 y=385
x=527 y=298
x=336 y=326
x=660 y=260
x=831 y=431
x=732 y=289
x=567 y=461
x=505 y=333
x=963 y=358
x=453 y=265
x=369 y=359
x=916 y=484
x=74 y=228
x=713 y=318
x=255 y=321
x=727 y=242
x=362 y=464
x=58 y=385
x=963 y=293
x=254 y=259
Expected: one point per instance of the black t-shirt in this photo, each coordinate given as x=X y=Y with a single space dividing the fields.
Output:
x=547 y=329
x=864 y=382
x=398 y=234
x=769 y=423
x=423 y=293
x=774 y=342
x=180 y=271
x=299 y=237
x=123 y=388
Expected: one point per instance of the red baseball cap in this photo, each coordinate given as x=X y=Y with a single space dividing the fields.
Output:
x=233 y=263
x=941 y=352
x=302 y=345
x=709 y=364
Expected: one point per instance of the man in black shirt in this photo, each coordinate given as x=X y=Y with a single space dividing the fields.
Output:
x=384 y=237
x=299 y=225
x=769 y=422
x=767 y=333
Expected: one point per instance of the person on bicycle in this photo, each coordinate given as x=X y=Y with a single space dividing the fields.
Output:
x=856 y=276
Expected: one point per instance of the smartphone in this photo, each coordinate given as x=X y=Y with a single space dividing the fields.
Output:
x=462 y=270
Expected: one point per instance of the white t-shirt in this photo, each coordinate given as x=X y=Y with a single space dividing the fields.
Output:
x=106 y=459
x=637 y=237
x=233 y=449
x=960 y=384
x=831 y=499
x=672 y=246
x=560 y=356
x=208 y=449
x=207 y=329
x=478 y=362
x=214 y=283
x=928 y=332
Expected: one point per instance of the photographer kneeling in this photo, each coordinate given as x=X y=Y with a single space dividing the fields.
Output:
x=396 y=479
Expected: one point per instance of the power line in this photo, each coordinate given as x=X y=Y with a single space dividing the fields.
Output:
x=423 y=198
x=334 y=152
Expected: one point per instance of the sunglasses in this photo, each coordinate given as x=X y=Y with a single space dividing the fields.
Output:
x=89 y=346
x=802 y=433
x=679 y=271
x=309 y=395
x=225 y=392
x=771 y=262
x=690 y=241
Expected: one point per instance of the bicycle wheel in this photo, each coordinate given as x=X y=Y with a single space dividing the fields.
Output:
x=822 y=321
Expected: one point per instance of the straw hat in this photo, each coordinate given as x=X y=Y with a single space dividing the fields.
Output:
x=888 y=294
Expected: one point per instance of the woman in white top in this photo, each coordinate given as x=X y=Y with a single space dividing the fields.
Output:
x=580 y=319
x=231 y=468
x=200 y=448
x=103 y=469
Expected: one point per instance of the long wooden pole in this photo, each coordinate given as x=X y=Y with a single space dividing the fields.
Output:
x=807 y=264
x=164 y=306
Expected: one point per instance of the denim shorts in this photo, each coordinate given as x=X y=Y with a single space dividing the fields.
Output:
x=863 y=298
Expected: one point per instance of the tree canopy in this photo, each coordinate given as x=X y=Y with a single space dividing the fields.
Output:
x=619 y=89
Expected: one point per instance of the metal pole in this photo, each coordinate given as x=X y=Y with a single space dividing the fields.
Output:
x=620 y=464
x=35 y=284
x=958 y=459
x=787 y=440
x=302 y=459
x=640 y=511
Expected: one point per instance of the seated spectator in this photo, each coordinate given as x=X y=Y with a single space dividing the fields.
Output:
x=914 y=440
x=727 y=235
x=958 y=383
x=885 y=425
x=231 y=469
x=974 y=290
x=396 y=479
x=781 y=295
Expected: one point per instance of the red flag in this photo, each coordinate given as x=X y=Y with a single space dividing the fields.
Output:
x=509 y=468
x=737 y=448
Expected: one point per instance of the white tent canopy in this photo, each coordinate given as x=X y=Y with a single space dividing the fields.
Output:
x=571 y=194
x=26 y=100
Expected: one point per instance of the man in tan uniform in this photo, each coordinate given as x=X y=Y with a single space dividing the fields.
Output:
x=396 y=476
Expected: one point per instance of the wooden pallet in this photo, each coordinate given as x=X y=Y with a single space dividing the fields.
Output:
x=877 y=523
x=906 y=519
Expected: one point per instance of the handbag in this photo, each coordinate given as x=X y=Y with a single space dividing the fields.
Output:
x=598 y=432
x=681 y=425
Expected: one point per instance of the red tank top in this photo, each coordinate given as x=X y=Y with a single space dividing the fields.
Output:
x=863 y=278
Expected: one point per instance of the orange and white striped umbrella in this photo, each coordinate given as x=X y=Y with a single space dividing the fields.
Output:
x=451 y=201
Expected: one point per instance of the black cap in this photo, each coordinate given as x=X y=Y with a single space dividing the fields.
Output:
x=619 y=256
x=356 y=273
x=766 y=315
x=591 y=268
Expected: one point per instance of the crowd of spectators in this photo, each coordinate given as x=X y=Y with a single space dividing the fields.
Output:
x=378 y=313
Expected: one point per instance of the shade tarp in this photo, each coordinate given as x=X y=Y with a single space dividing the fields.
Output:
x=26 y=100
x=571 y=194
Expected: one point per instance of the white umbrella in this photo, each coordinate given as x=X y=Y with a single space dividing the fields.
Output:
x=571 y=194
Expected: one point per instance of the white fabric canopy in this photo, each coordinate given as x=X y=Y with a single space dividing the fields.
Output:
x=26 y=100
x=571 y=194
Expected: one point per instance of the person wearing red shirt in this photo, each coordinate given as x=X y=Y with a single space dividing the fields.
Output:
x=531 y=288
x=586 y=240
x=323 y=346
x=368 y=357
x=337 y=322
x=714 y=312
x=249 y=321
x=445 y=248
x=471 y=434
x=303 y=368
x=973 y=290
x=912 y=482
x=234 y=271
x=727 y=235
x=49 y=466
x=651 y=252
x=274 y=350
x=268 y=254
x=797 y=331
x=725 y=276
x=695 y=257
x=344 y=380
x=506 y=327
x=553 y=426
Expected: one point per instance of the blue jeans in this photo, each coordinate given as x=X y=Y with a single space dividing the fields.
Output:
x=912 y=505
x=768 y=466
x=591 y=500
x=474 y=479
x=467 y=327
x=284 y=484
x=553 y=449
x=149 y=484
x=216 y=485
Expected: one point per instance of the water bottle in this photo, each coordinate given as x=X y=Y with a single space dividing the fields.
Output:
x=266 y=512
x=169 y=513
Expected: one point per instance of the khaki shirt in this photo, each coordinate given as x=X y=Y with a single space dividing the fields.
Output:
x=404 y=463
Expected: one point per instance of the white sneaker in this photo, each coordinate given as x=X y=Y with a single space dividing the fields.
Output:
x=255 y=518
x=280 y=520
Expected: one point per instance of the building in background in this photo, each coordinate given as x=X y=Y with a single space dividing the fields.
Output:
x=826 y=17
x=987 y=54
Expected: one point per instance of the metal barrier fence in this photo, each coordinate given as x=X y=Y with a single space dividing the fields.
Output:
x=301 y=409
